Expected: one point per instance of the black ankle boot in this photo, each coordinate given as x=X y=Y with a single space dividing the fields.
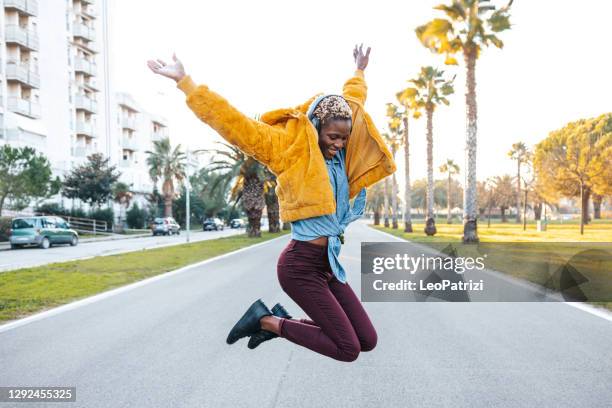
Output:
x=249 y=322
x=263 y=335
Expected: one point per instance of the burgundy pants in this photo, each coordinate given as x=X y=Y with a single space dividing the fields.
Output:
x=339 y=327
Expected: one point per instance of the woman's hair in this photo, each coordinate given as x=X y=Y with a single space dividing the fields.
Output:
x=327 y=108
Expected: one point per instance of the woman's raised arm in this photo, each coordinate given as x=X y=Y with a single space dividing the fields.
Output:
x=264 y=142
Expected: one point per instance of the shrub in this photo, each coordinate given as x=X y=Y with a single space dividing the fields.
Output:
x=5 y=226
x=106 y=214
x=137 y=217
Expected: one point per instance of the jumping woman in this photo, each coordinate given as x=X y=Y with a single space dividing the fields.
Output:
x=324 y=153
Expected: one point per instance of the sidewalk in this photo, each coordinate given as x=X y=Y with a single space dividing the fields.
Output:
x=4 y=246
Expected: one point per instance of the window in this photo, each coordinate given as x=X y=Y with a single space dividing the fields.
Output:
x=23 y=223
x=48 y=222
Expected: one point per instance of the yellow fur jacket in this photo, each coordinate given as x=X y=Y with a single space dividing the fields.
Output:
x=287 y=143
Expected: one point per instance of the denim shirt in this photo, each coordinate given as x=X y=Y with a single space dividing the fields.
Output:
x=332 y=225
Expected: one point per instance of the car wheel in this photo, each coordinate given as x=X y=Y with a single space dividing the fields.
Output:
x=15 y=246
x=74 y=241
x=178 y=232
x=45 y=243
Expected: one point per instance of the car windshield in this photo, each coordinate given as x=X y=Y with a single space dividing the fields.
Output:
x=23 y=223
x=159 y=221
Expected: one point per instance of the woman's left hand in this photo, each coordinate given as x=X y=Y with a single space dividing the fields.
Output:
x=361 y=59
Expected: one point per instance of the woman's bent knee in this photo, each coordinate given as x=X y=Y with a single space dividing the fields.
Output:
x=369 y=342
x=348 y=355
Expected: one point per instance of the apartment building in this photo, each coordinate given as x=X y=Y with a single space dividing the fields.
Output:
x=56 y=93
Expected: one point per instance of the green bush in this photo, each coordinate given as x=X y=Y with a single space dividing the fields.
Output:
x=51 y=208
x=5 y=226
x=137 y=217
x=106 y=214
x=57 y=209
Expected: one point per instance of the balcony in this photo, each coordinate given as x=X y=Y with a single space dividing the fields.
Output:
x=129 y=143
x=82 y=31
x=85 y=128
x=91 y=84
x=85 y=103
x=126 y=163
x=29 y=7
x=24 y=107
x=89 y=11
x=89 y=46
x=17 y=71
x=158 y=135
x=82 y=151
x=85 y=66
x=128 y=123
x=19 y=35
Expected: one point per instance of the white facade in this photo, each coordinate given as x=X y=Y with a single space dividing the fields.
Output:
x=56 y=94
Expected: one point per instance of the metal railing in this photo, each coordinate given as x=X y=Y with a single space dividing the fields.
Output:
x=22 y=36
x=23 y=73
x=24 y=107
x=29 y=7
x=85 y=103
x=83 y=65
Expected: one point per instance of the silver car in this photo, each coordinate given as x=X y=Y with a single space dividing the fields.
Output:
x=165 y=226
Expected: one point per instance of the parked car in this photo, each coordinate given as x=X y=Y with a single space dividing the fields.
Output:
x=237 y=223
x=210 y=224
x=41 y=231
x=165 y=226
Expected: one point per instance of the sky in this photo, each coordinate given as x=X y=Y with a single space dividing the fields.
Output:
x=555 y=67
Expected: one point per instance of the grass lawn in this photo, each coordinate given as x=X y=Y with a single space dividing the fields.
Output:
x=598 y=231
x=29 y=290
x=525 y=252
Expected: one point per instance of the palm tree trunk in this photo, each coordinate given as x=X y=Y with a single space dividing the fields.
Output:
x=167 y=205
x=470 y=199
x=518 y=192
x=430 y=223
x=272 y=208
x=448 y=200
x=253 y=204
x=407 y=192
x=386 y=203
x=394 y=202
x=376 y=217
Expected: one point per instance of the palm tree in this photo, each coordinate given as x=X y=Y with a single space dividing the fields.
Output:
x=386 y=203
x=432 y=89
x=375 y=200
x=394 y=140
x=520 y=153
x=168 y=165
x=271 y=199
x=471 y=24
x=503 y=194
x=451 y=168
x=406 y=98
x=248 y=177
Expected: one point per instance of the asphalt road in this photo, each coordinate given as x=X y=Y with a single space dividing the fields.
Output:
x=32 y=256
x=163 y=345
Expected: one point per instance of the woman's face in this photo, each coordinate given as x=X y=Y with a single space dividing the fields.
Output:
x=333 y=136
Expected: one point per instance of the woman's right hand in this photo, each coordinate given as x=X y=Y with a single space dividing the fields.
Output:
x=174 y=71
